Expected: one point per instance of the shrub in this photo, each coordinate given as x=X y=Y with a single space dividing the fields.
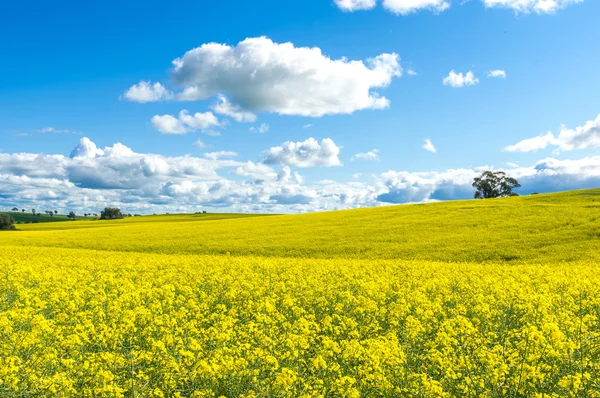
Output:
x=6 y=222
x=111 y=213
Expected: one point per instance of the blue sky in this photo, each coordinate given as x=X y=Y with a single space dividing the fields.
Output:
x=68 y=67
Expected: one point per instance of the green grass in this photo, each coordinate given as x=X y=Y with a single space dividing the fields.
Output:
x=42 y=218
x=539 y=228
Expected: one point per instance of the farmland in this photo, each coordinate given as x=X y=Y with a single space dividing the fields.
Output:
x=468 y=298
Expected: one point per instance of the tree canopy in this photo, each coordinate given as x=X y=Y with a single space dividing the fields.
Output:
x=111 y=213
x=494 y=185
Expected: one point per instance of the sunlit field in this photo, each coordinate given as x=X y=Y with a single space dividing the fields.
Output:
x=471 y=298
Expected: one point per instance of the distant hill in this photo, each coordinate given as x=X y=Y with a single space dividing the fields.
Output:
x=29 y=217
x=535 y=229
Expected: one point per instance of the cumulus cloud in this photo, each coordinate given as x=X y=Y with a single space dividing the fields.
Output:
x=256 y=171
x=528 y=6
x=259 y=75
x=86 y=149
x=263 y=128
x=224 y=107
x=309 y=153
x=219 y=155
x=582 y=137
x=355 y=5
x=548 y=175
x=458 y=80
x=405 y=7
x=371 y=155
x=116 y=175
x=497 y=73
x=185 y=123
x=428 y=146
x=147 y=92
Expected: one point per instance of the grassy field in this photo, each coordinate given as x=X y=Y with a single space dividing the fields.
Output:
x=472 y=298
x=21 y=217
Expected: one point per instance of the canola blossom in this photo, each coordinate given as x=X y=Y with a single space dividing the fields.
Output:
x=465 y=299
x=89 y=323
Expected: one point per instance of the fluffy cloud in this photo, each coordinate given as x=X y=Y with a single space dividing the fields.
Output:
x=355 y=5
x=548 y=175
x=528 y=6
x=224 y=107
x=371 y=155
x=219 y=155
x=263 y=128
x=309 y=153
x=147 y=92
x=145 y=183
x=459 y=80
x=260 y=75
x=428 y=146
x=497 y=73
x=186 y=123
x=582 y=137
x=405 y=7
x=256 y=171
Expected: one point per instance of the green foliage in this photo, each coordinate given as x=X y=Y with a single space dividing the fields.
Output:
x=6 y=222
x=494 y=185
x=71 y=215
x=111 y=213
x=41 y=218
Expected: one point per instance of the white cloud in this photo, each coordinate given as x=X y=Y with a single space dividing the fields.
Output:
x=169 y=124
x=355 y=5
x=356 y=176
x=57 y=131
x=405 y=7
x=459 y=80
x=582 y=137
x=86 y=149
x=548 y=175
x=224 y=107
x=219 y=154
x=532 y=144
x=260 y=75
x=371 y=155
x=256 y=171
x=307 y=126
x=428 y=146
x=147 y=92
x=186 y=123
x=263 y=128
x=199 y=144
x=309 y=153
x=145 y=183
x=528 y=6
x=497 y=73
x=411 y=72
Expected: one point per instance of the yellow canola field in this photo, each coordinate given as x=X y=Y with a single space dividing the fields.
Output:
x=79 y=322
